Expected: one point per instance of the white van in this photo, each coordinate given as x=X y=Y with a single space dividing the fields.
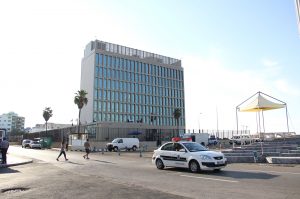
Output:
x=243 y=139
x=123 y=143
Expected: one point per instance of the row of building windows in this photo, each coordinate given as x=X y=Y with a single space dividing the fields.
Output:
x=137 y=78
x=165 y=121
x=132 y=98
x=107 y=106
x=137 y=67
x=135 y=88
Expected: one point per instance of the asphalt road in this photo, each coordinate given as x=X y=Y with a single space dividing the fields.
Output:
x=129 y=176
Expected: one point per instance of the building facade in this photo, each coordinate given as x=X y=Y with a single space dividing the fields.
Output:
x=127 y=86
x=12 y=122
x=50 y=126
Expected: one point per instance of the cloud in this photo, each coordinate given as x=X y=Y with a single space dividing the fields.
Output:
x=269 y=63
x=283 y=86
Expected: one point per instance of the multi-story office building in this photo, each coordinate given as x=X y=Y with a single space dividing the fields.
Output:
x=126 y=85
x=12 y=122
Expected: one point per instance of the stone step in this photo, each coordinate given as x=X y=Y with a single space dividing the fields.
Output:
x=269 y=148
x=265 y=150
x=240 y=159
x=290 y=154
x=270 y=145
x=294 y=151
x=283 y=160
x=238 y=154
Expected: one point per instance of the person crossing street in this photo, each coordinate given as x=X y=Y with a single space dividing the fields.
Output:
x=4 y=147
x=62 y=151
x=87 y=147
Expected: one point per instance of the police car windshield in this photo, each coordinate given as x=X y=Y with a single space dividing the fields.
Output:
x=194 y=147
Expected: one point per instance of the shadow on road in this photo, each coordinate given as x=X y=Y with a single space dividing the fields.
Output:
x=104 y=161
x=75 y=163
x=8 y=170
x=229 y=174
x=246 y=175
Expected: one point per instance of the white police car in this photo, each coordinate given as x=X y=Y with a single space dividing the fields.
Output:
x=190 y=155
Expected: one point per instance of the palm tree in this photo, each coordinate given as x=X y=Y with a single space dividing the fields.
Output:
x=80 y=100
x=47 y=113
x=177 y=115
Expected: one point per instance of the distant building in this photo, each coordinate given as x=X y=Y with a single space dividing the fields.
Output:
x=127 y=86
x=12 y=122
x=50 y=126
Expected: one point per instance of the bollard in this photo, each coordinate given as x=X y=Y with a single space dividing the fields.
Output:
x=140 y=153
x=119 y=152
x=102 y=151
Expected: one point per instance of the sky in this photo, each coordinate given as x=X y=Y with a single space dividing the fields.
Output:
x=229 y=50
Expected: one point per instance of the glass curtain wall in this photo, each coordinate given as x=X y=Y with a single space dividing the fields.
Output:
x=134 y=91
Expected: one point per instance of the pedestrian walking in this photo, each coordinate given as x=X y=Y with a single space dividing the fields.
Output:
x=62 y=151
x=67 y=145
x=87 y=147
x=4 y=147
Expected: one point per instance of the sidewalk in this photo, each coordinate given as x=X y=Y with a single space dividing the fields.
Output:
x=15 y=160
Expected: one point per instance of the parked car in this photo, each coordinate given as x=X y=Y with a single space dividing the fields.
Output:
x=123 y=143
x=243 y=139
x=25 y=143
x=35 y=145
x=212 y=140
x=191 y=155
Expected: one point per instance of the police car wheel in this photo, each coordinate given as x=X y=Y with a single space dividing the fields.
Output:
x=194 y=166
x=134 y=148
x=115 y=148
x=159 y=164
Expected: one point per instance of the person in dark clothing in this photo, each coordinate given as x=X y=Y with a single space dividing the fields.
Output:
x=62 y=151
x=87 y=147
x=4 y=147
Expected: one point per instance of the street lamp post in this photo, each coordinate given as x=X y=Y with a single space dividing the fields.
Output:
x=199 y=123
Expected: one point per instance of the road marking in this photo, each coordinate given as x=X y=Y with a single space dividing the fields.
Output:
x=233 y=181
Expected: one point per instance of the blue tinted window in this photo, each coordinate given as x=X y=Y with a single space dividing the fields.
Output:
x=108 y=61
x=97 y=59
x=100 y=59
x=104 y=60
x=104 y=83
x=113 y=62
x=108 y=84
x=100 y=72
x=108 y=73
x=95 y=82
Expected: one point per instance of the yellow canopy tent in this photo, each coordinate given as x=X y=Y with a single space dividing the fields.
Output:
x=260 y=104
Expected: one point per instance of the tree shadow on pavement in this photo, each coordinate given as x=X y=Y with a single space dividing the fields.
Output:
x=8 y=170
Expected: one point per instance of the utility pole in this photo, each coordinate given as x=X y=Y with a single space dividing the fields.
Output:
x=199 y=123
x=217 y=122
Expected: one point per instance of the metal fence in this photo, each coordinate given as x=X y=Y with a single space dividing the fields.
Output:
x=104 y=134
